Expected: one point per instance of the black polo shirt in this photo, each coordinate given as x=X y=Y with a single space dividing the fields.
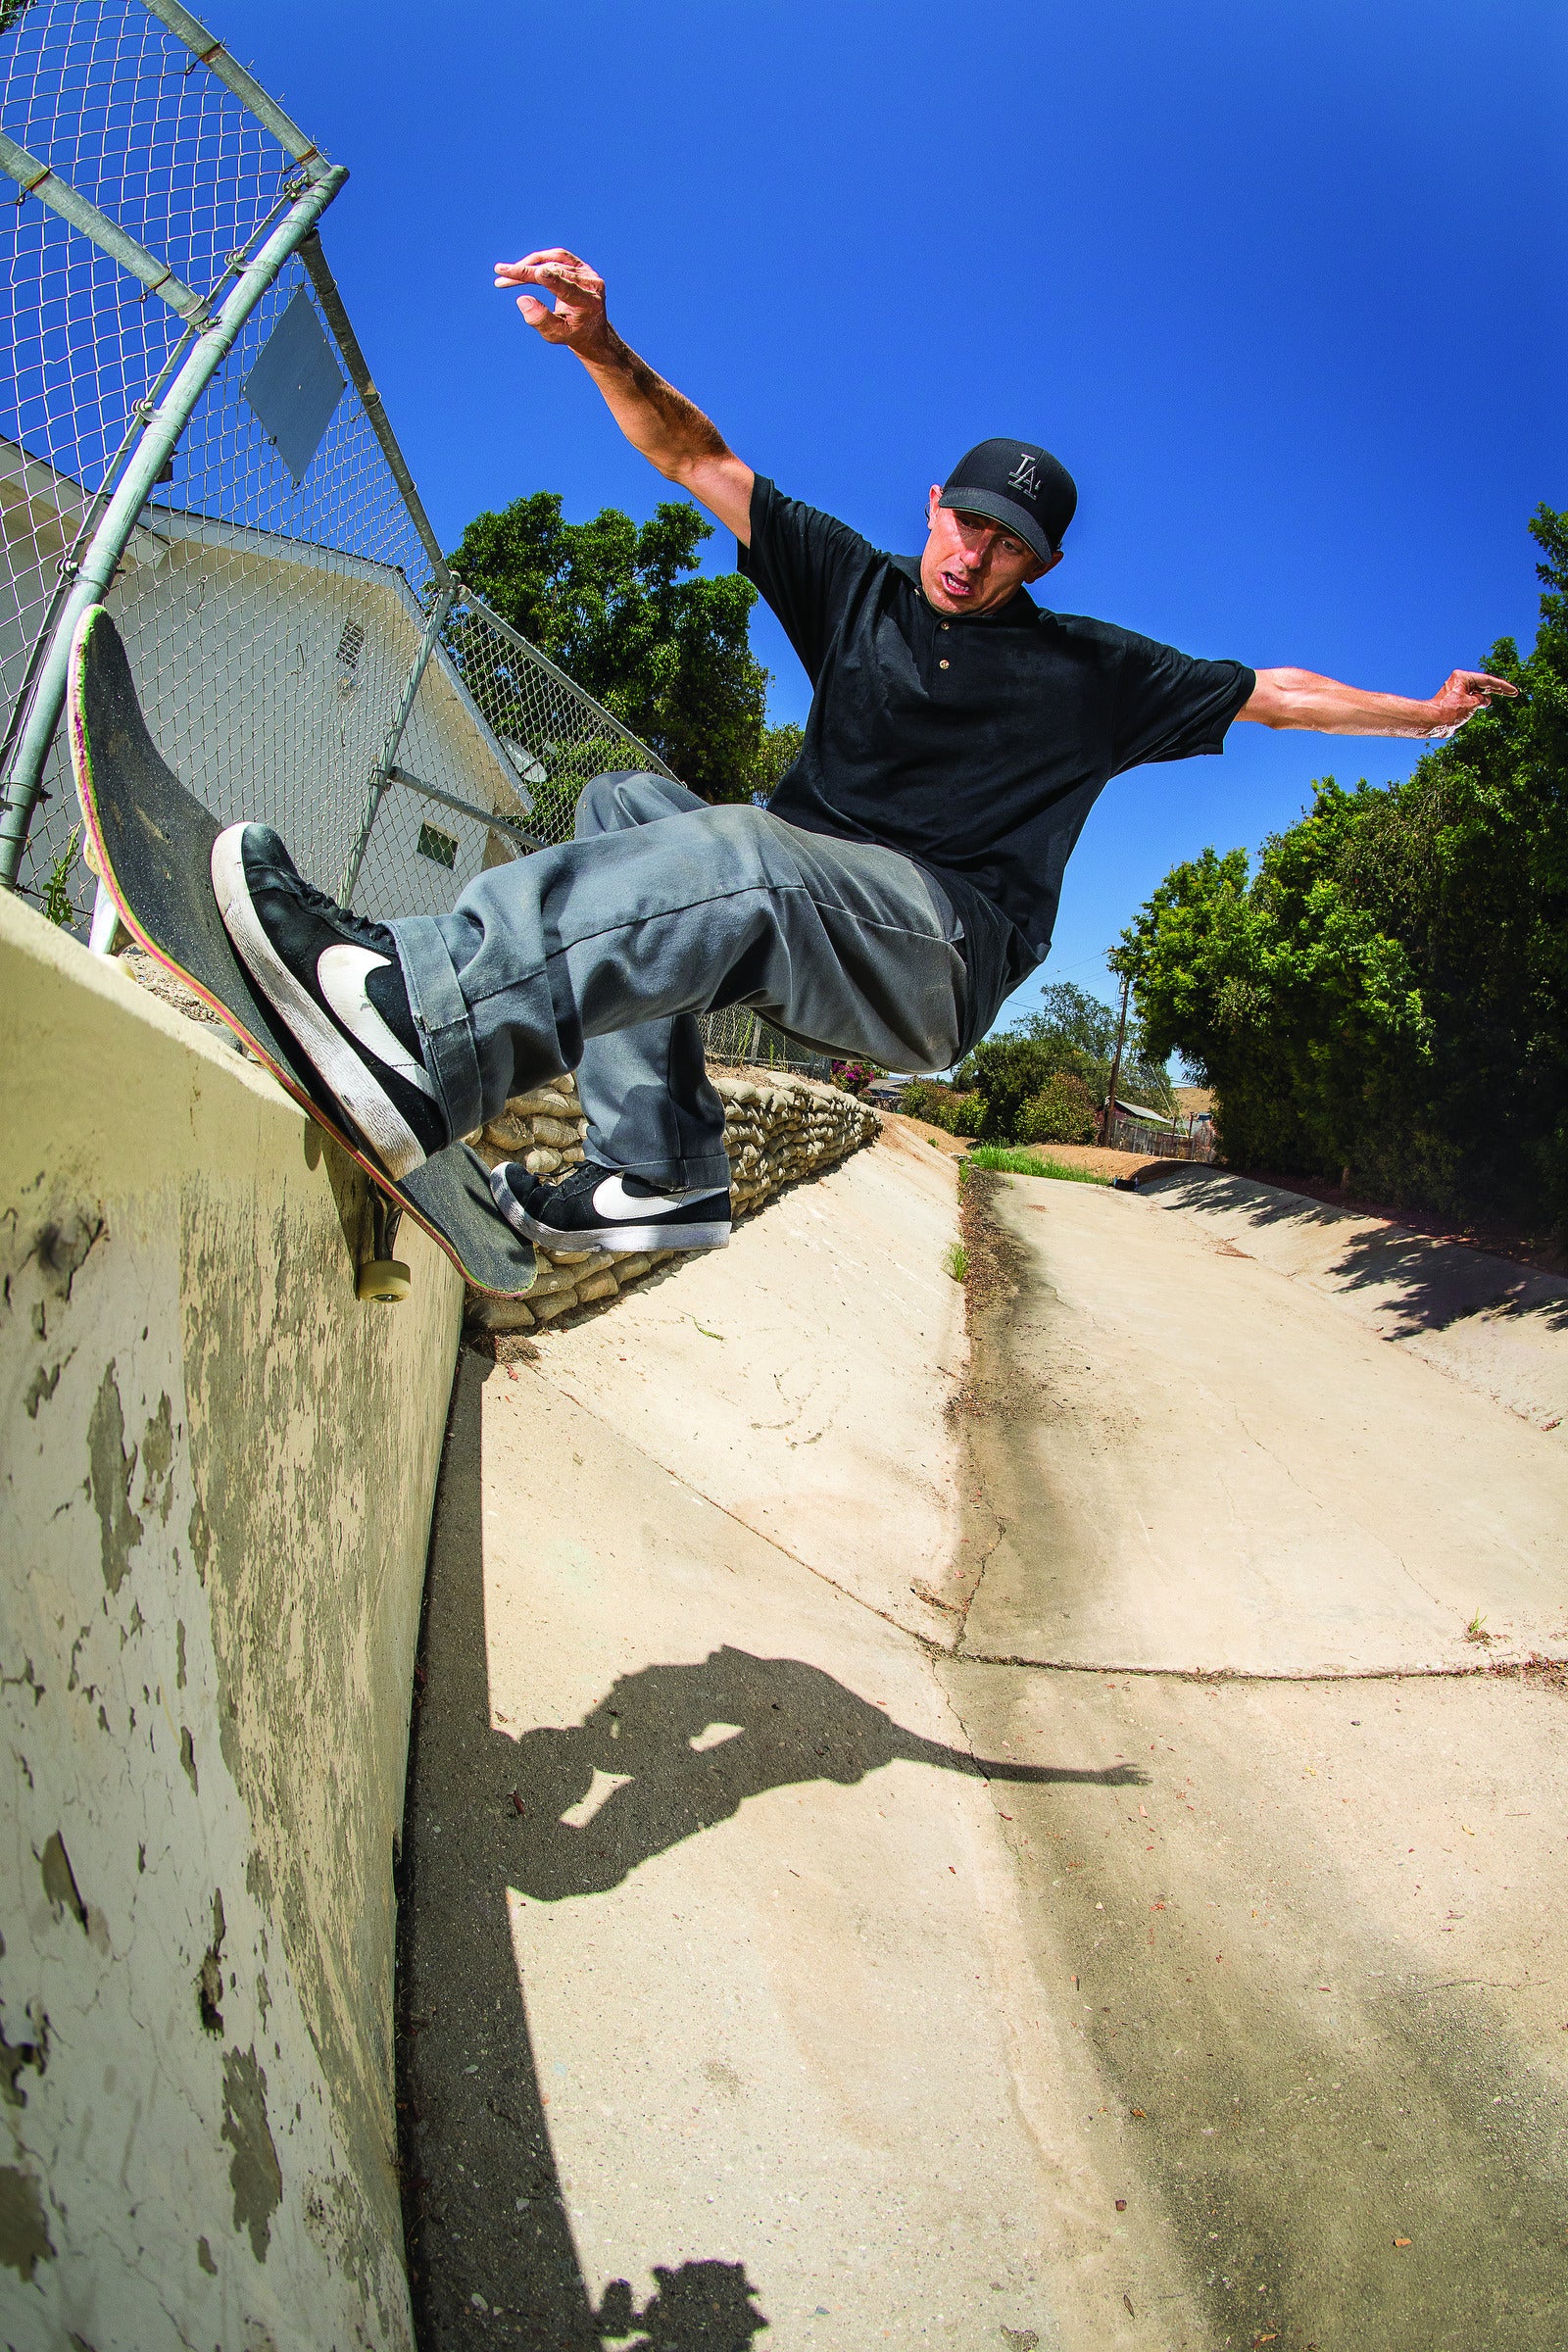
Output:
x=977 y=747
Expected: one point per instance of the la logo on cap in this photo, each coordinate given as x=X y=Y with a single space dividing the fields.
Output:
x=1025 y=476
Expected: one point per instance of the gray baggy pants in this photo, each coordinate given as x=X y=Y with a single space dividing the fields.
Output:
x=598 y=955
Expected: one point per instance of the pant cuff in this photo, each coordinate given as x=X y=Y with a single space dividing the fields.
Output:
x=443 y=1019
x=674 y=1175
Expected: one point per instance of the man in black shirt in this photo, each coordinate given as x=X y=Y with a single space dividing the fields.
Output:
x=901 y=882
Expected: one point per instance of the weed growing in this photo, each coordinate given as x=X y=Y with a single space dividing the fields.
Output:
x=56 y=906
x=1003 y=1159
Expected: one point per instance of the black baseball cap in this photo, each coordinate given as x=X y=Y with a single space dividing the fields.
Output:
x=1018 y=484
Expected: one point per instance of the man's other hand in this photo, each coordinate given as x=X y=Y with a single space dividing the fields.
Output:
x=578 y=319
x=1301 y=698
x=1462 y=694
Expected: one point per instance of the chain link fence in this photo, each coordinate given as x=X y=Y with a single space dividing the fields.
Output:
x=300 y=650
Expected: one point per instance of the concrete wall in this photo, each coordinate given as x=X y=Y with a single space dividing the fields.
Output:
x=214 y=1490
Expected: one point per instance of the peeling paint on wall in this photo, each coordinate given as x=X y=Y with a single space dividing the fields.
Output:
x=206 y=1646
x=24 y=2234
x=253 y=2174
x=112 y=1471
x=59 y=1882
x=13 y=2056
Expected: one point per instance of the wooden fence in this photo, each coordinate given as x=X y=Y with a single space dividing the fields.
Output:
x=1193 y=1141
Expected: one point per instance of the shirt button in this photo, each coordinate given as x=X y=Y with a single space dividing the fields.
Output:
x=942 y=665
x=946 y=625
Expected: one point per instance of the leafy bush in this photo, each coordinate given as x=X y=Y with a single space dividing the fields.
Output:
x=1083 y=1030
x=855 y=1077
x=1386 y=995
x=1010 y=1072
x=1063 y=1111
x=942 y=1106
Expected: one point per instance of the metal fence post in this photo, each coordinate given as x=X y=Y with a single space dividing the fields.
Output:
x=94 y=512
x=354 y=360
x=35 y=178
x=101 y=560
x=381 y=773
x=256 y=100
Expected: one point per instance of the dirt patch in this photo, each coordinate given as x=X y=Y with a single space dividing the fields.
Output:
x=1549 y=1673
x=921 y=1131
x=1136 y=1164
x=992 y=1259
x=1096 y=1161
x=989 y=1392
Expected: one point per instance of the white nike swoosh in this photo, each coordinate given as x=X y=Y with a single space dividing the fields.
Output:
x=611 y=1201
x=341 y=972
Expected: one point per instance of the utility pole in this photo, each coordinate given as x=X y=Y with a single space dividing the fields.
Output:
x=1116 y=1064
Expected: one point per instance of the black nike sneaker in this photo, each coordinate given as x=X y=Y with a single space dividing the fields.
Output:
x=334 y=981
x=603 y=1208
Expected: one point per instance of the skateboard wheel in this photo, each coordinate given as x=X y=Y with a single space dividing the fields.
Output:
x=384 y=1279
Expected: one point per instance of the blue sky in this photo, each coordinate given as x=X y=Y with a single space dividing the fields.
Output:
x=1284 y=286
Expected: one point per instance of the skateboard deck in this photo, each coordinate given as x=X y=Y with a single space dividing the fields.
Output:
x=154 y=843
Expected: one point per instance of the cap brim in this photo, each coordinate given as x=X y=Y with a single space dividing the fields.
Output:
x=997 y=509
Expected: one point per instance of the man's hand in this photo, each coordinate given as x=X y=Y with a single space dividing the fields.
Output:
x=671 y=432
x=578 y=319
x=1299 y=698
x=1461 y=696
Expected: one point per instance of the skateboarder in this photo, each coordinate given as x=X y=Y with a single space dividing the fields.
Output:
x=899 y=885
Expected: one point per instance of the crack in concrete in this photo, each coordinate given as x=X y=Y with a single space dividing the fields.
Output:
x=1277 y=1460
x=1502 y=1668
x=911 y=1632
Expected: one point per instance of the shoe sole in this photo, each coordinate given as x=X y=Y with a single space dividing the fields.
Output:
x=626 y=1240
x=362 y=1101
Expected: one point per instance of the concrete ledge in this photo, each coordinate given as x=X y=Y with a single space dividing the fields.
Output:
x=217 y=1475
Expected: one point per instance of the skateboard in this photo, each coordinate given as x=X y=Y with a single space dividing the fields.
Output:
x=153 y=839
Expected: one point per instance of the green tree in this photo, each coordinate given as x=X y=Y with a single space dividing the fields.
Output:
x=1063 y=1111
x=781 y=747
x=1069 y=1034
x=617 y=605
x=1008 y=1071
x=1069 y=1016
x=1388 y=993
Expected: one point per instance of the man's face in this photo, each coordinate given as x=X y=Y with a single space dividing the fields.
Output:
x=972 y=564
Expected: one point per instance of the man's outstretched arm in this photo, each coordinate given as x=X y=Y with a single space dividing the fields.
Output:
x=671 y=432
x=1299 y=698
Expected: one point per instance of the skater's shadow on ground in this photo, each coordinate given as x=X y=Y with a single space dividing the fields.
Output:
x=675 y=1749
x=665 y=1753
